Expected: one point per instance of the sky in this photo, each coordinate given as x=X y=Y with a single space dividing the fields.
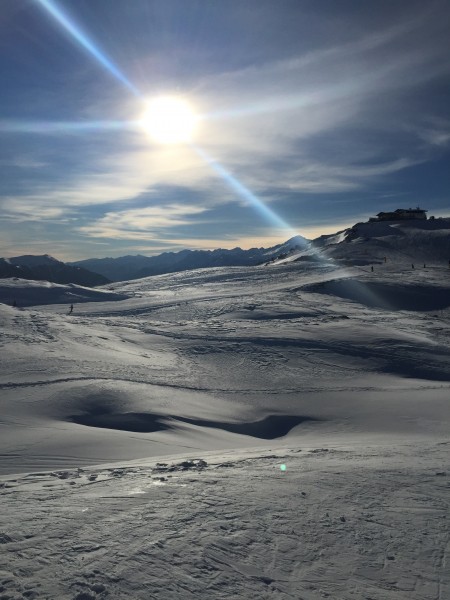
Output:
x=311 y=115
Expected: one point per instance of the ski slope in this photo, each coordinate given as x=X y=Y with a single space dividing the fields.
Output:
x=142 y=437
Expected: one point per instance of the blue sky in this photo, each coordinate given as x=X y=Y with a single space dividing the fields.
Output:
x=325 y=112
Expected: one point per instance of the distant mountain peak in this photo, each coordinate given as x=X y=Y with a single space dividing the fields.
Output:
x=46 y=268
x=31 y=260
x=128 y=267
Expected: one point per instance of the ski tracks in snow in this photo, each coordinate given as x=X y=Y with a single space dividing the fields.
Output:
x=340 y=523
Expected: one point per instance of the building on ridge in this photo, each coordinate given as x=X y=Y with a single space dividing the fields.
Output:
x=401 y=214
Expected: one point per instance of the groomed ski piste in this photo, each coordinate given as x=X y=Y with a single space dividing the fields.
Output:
x=279 y=431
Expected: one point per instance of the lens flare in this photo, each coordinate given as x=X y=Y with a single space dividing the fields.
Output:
x=245 y=193
x=169 y=120
x=84 y=41
x=65 y=127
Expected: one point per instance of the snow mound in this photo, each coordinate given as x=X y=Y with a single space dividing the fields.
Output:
x=387 y=296
x=27 y=292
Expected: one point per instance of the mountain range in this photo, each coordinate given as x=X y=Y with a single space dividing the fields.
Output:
x=47 y=268
x=363 y=243
x=136 y=267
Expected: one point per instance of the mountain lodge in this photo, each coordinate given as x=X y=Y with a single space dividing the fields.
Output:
x=401 y=214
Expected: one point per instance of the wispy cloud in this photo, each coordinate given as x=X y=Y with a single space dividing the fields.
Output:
x=269 y=115
x=434 y=131
x=337 y=119
x=23 y=162
x=111 y=177
x=141 y=224
x=279 y=103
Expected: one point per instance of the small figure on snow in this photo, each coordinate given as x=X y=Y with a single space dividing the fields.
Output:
x=371 y=268
x=71 y=309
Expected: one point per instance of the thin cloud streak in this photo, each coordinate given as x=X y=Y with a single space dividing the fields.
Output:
x=141 y=224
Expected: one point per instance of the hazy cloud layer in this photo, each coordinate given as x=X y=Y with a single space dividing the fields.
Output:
x=349 y=112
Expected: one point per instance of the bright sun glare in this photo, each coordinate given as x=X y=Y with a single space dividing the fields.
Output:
x=169 y=120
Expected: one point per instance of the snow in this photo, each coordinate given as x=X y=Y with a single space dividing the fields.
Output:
x=142 y=436
x=137 y=267
x=426 y=241
x=341 y=522
x=28 y=292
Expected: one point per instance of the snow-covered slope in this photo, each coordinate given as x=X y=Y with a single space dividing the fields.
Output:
x=371 y=243
x=364 y=243
x=299 y=414
x=25 y=292
x=216 y=358
x=419 y=241
x=340 y=522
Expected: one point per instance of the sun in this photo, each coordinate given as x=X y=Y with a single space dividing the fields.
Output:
x=169 y=120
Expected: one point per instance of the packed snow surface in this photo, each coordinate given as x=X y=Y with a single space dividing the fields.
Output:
x=27 y=292
x=345 y=522
x=263 y=432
